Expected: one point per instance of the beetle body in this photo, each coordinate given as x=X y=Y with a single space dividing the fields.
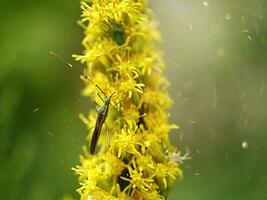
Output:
x=100 y=120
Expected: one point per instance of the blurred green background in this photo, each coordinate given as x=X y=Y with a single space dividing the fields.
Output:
x=216 y=57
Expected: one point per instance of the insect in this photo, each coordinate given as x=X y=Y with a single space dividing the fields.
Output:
x=102 y=111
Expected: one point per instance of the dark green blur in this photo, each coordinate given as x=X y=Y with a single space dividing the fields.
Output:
x=41 y=136
x=216 y=61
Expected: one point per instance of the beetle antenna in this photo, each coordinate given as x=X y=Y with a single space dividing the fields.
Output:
x=66 y=62
x=113 y=93
x=77 y=71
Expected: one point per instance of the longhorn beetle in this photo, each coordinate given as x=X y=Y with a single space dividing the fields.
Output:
x=102 y=111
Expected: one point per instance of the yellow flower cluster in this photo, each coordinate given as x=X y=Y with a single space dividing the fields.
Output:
x=121 y=55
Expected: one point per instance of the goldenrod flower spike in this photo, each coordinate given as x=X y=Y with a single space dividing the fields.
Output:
x=121 y=54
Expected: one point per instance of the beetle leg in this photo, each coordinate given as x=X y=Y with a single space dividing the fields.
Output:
x=97 y=104
x=120 y=101
x=107 y=134
x=101 y=97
